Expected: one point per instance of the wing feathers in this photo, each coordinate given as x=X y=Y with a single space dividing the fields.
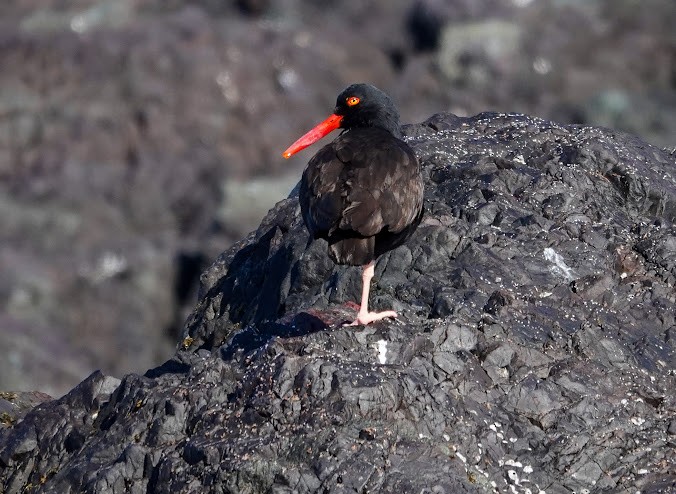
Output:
x=363 y=183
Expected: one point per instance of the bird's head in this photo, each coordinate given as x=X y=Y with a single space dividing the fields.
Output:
x=358 y=105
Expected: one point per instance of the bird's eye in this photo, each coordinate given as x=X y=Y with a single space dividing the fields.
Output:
x=352 y=100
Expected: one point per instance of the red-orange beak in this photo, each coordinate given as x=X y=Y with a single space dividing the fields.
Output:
x=319 y=131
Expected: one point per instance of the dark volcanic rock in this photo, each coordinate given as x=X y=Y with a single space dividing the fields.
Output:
x=534 y=349
x=113 y=113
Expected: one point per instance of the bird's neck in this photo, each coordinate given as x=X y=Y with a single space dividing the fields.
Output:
x=386 y=121
x=392 y=127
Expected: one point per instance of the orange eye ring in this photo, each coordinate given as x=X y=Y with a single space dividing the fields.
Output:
x=352 y=100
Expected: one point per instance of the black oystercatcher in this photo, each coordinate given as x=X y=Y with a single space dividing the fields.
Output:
x=363 y=193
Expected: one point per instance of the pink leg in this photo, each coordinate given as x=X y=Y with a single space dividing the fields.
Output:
x=364 y=316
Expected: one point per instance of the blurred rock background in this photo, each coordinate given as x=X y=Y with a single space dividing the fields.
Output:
x=140 y=138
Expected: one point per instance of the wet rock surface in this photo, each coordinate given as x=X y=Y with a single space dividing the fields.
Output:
x=534 y=350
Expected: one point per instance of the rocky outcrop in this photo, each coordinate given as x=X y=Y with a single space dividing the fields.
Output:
x=113 y=113
x=534 y=349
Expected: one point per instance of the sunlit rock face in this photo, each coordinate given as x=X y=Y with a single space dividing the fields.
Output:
x=534 y=351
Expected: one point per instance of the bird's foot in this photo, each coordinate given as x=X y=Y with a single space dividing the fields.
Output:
x=364 y=318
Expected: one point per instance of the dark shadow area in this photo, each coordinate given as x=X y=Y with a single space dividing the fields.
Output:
x=169 y=367
x=252 y=283
x=252 y=338
x=424 y=24
x=189 y=266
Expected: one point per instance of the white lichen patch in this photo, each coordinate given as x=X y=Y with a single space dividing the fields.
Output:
x=637 y=421
x=512 y=463
x=381 y=346
x=559 y=266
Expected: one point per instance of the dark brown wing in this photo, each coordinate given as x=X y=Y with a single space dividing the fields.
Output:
x=364 y=183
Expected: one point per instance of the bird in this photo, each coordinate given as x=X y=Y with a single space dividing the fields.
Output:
x=363 y=192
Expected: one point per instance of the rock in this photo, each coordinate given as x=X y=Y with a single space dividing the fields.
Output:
x=115 y=112
x=672 y=427
x=483 y=46
x=14 y=405
x=549 y=363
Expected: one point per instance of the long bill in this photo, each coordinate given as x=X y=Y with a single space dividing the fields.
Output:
x=319 y=131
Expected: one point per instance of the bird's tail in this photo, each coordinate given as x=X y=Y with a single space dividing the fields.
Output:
x=352 y=251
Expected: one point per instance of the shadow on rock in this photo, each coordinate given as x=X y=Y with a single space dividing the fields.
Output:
x=255 y=337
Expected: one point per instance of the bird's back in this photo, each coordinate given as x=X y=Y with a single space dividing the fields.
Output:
x=363 y=193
